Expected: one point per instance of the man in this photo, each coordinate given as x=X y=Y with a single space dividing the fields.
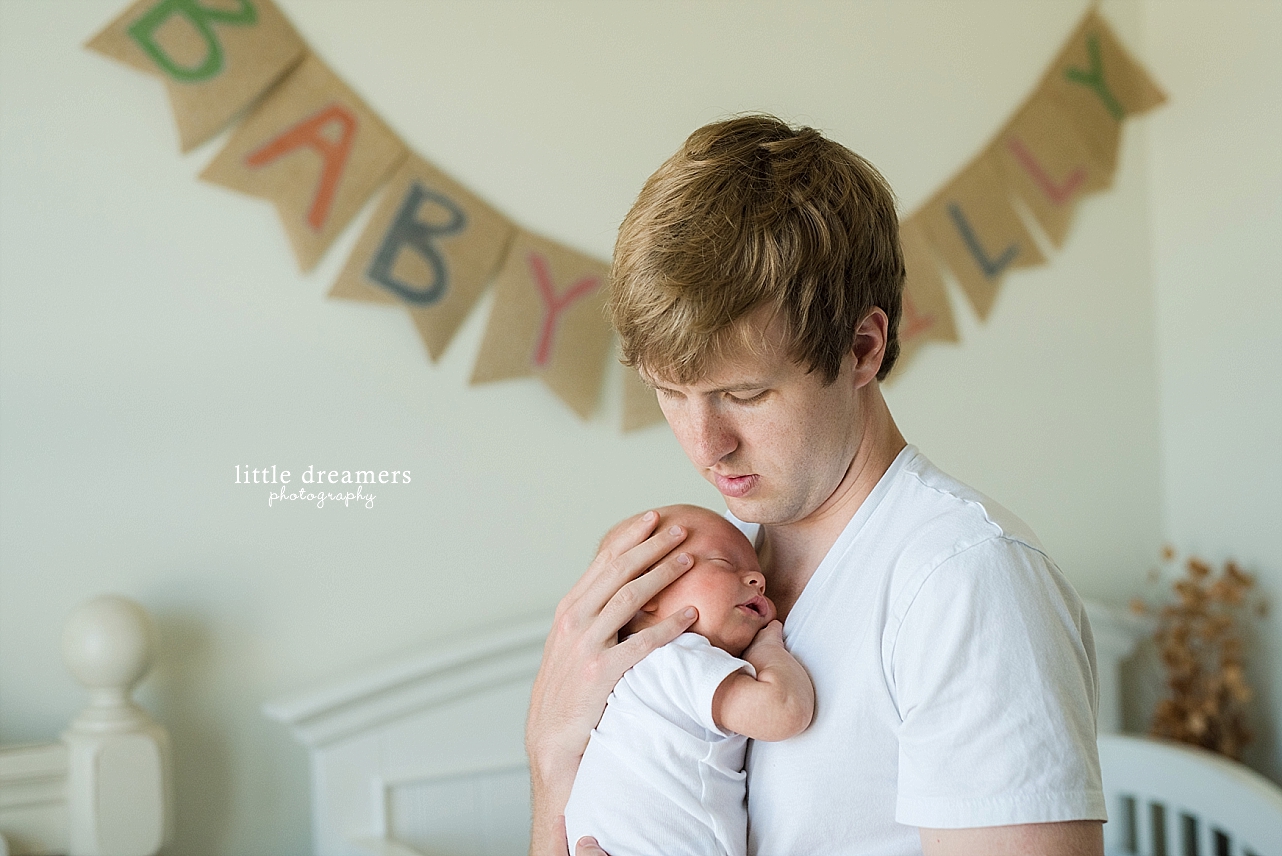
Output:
x=756 y=286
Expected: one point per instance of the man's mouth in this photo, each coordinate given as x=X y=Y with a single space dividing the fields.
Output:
x=735 y=486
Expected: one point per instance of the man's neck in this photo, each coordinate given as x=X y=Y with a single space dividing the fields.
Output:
x=791 y=552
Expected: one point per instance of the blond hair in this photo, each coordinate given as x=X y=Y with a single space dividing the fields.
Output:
x=754 y=213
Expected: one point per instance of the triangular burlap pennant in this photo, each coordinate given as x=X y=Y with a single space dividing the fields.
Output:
x=1046 y=164
x=640 y=405
x=927 y=315
x=972 y=226
x=215 y=59
x=315 y=150
x=431 y=245
x=548 y=320
x=1098 y=84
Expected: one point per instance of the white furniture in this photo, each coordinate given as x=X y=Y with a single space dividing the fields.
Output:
x=423 y=754
x=425 y=751
x=104 y=790
x=1169 y=799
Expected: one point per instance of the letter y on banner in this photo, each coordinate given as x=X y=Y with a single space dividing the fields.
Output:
x=548 y=320
x=215 y=59
x=315 y=150
x=1098 y=84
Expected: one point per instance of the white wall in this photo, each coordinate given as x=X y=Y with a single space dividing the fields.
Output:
x=1216 y=184
x=154 y=333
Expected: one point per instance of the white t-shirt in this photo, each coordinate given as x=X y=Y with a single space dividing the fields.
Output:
x=658 y=777
x=955 y=681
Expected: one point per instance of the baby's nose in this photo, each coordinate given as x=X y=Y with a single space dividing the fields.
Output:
x=756 y=579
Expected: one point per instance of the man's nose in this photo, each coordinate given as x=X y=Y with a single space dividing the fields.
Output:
x=708 y=438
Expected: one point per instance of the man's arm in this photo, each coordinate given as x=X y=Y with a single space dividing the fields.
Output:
x=774 y=705
x=1070 y=838
x=583 y=660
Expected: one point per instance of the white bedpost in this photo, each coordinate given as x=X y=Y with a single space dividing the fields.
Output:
x=119 y=796
x=1117 y=633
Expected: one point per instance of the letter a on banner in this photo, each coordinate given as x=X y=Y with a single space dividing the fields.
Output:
x=548 y=321
x=313 y=149
x=215 y=59
x=431 y=246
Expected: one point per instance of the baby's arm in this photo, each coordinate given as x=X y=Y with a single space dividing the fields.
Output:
x=774 y=705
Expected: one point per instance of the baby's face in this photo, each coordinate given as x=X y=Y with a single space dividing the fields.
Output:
x=725 y=582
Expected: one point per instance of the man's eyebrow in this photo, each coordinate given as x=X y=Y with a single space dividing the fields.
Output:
x=730 y=387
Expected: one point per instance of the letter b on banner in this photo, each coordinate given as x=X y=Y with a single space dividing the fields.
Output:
x=408 y=231
x=143 y=31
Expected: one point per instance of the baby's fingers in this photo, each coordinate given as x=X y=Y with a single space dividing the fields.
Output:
x=588 y=846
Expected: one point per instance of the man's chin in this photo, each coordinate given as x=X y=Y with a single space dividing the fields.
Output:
x=749 y=510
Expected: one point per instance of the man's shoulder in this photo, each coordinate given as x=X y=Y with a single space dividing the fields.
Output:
x=932 y=505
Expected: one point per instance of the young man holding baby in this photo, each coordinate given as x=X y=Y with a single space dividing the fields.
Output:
x=757 y=285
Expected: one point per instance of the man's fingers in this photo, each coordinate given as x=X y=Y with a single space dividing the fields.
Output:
x=633 y=564
x=632 y=650
x=623 y=537
x=628 y=600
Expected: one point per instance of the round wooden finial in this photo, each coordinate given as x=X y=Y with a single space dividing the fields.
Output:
x=107 y=643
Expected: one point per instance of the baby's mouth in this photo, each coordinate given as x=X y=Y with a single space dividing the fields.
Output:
x=757 y=605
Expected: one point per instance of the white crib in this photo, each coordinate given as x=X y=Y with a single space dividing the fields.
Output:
x=1168 y=799
x=105 y=788
x=423 y=755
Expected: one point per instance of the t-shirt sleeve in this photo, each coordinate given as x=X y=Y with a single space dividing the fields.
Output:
x=993 y=670
x=689 y=671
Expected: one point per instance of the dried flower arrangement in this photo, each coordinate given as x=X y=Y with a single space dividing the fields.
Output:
x=1200 y=641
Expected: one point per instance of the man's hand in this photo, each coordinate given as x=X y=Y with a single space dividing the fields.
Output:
x=583 y=659
x=1070 y=838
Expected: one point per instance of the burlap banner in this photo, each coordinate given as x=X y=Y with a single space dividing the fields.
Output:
x=432 y=246
x=548 y=320
x=1047 y=165
x=215 y=61
x=313 y=149
x=976 y=232
x=640 y=406
x=1060 y=146
x=1098 y=84
x=927 y=315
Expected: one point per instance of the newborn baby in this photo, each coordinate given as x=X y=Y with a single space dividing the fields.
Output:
x=663 y=771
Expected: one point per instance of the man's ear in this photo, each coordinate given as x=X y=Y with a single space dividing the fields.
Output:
x=869 y=345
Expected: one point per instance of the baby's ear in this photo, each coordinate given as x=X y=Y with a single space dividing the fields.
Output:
x=647 y=615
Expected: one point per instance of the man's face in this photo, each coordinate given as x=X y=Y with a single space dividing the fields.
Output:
x=775 y=440
x=724 y=583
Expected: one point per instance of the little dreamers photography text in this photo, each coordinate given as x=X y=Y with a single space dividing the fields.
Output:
x=314 y=486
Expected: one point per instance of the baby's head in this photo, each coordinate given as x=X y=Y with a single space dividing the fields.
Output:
x=724 y=582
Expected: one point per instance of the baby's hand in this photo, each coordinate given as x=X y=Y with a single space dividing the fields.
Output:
x=770 y=636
